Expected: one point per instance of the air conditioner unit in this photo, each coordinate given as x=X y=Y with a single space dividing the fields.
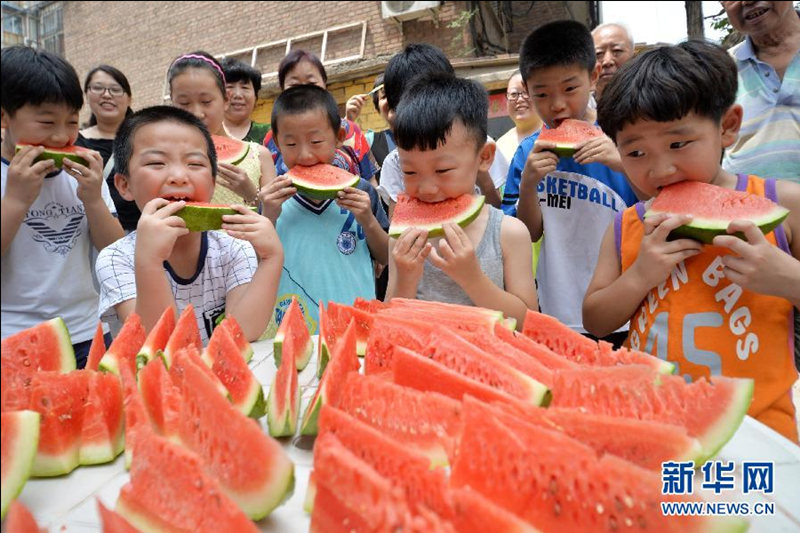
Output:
x=407 y=10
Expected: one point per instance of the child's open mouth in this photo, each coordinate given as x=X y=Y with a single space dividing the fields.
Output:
x=177 y=198
x=755 y=14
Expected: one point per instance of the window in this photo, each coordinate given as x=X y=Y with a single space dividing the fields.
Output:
x=52 y=29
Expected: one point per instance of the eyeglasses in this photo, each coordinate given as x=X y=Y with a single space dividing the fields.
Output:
x=514 y=96
x=114 y=90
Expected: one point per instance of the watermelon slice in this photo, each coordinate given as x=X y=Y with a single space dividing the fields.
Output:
x=97 y=350
x=157 y=339
x=713 y=208
x=259 y=476
x=137 y=420
x=343 y=360
x=46 y=346
x=112 y=522
x=102 y=428
x=341 y=317
x=564 y=340
x=474 y=513
x=325 y=340
x=710 y=411
x=568 y=135
x=445 y=309
x=508 y=354
x=283 y=401
x=161 y=398
x=186 y=334
x=20 y=520
x=426 y=422
x=389 y=333
x=321 y=181
x=412 y=213
x=124 y=348
x=238 y=337
x=225 y=360
x=202 y=216
x=170 y=491
x=188 y=355
x=293 y=338
x=370 y=306
x=453 y=319
x=19 y=431
x=229 y=150
x=538 y=351
x=72 y=152
x=563 y=486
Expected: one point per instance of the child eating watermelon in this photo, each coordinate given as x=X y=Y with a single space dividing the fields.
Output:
x=714 y=309
x=440 y=129
x=329 y=244
x=165 y=158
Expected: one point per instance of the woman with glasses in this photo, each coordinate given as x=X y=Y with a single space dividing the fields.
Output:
x=109 y=96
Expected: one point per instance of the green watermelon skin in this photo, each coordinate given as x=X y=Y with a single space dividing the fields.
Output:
x=158 y=337
x=410 y=212
x=283 y=401
x=293 y=337
x=20 y=438
x=200 y=216
x=230 y=151
x=57 y=155
x=124 y=348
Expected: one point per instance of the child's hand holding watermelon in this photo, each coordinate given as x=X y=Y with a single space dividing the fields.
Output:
x=254 y=228
x=658 y=256
x=409 y=254
x=157 y=231
x=456 y=257
x=26 y=175
x=90 y=179
x=599 y=150
x=273 y=195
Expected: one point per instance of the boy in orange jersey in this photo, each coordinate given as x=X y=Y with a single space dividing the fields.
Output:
x=724 y=308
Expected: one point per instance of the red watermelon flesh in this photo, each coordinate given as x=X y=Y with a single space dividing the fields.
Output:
x=450 y=350
x=102 y=431
x=474 y=513
x=538 y=351
x=157 y=339
x=370 y=306
x=229 y=150
x=454 y=319
x=170 y=491
x=509 y=355
x=391 y=459
x=582 y=350
x=97 y=350
x=283 y=401
x=124 y=348
x=188 y=355
x=341 y=317
x=321 y=181
x=225 y=360
x=446 y=308
x=426 y=422
x=293 y=337
x=20 y=520
x=568 y=135
x=713 y=208
x=186 y=333
x=389 y=333
x=112 y=522
x=411 y=369
x=710 y=411
x=46 y=346
x=20 y=437
x=343 y=361
x=259 y=475
x=137 y=420
x=161 y=398
x=412 y=213
x=563 y=486
x=238 y=337
x=325 y=341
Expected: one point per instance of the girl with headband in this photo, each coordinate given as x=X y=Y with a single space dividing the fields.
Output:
x=197 y=84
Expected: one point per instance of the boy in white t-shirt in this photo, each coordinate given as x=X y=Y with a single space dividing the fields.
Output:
x=51 y=219
x=164 y=158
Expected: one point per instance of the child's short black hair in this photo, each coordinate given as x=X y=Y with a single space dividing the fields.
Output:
x=123 y=143
x=294 y=57
x=236 y=70
x=433 y=103
x=557 y=44
x=667 y=83
x=302 y=98
x=36 y=77
x=415 y=60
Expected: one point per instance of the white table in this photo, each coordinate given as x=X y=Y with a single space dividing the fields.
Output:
x=68 y=503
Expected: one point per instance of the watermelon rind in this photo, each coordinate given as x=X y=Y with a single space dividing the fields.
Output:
x=303 y=358
x=205 y=218
x=57 y=156
x=564 y=150
x=229 y=143
x=321 y=192
x=463 y=219
x=716 y=436
x=18 y=458
x=309 y=424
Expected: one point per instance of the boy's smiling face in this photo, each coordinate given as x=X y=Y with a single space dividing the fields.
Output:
x=448 y=171
x=48 y=124
x=307 y=138
x=169 y=160
x=560 y=92
x=657 y=154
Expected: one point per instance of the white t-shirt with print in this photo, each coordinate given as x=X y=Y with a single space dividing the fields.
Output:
x=224 y=263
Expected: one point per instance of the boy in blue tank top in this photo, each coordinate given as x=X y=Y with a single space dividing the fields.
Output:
x=329 y=245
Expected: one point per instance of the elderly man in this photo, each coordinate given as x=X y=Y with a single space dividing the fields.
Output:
x=769 y=89
x=613 y=46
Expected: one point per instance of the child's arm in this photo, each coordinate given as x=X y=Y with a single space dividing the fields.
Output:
x=104 y=228
x=456 y=258
x=486 y=185
x=407 y=256
x=273 y=195
x=359 y=203
x=759 y=266
x=613 y=296
x=251 y=304
x=539 y=163
x=23 y=183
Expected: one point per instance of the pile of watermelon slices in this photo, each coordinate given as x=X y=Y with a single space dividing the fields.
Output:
x=459 y=423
